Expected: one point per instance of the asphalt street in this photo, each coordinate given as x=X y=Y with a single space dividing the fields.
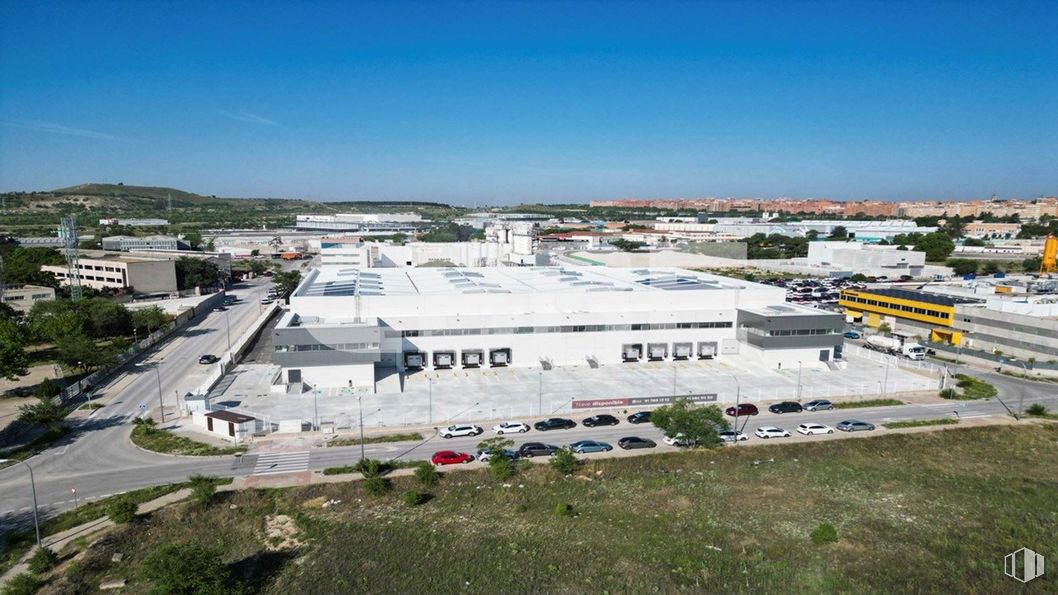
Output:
x=98 y=459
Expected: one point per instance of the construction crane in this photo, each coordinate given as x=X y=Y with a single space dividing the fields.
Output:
x=68 y=234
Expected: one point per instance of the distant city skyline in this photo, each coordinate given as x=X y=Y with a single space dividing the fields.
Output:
x=503 y=103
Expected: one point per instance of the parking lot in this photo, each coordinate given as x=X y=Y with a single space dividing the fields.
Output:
x=440 y=397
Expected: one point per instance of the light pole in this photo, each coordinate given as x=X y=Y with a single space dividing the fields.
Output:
x=360 y=406
x=430 y=382
x=738 y=396
x=799 y=367
x=885 y=382
x=227 y=322
x=1021 y=399
x=674 y=379
x=540 y=394
x=33 y=486
x=316 y=409
x=158 y=376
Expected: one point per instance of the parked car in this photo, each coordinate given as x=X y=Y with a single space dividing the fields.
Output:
x=510 y=427
x=450 y=457
x=555 y=423
x=600 y=420
x=678 y=440
x=812 y=429
x=639 y=417
x=818 y=405
x=731 y=436
x=765 y=432
x=461 y=430
x=485 y=455
x=209 y=358
x=743 y=410
x=536 y=449
x=586 y=446
x=267 y=300
x=631 y=442
x=786 y=407
x=852 y=335
x=854 y=425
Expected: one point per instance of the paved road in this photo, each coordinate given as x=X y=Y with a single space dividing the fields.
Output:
x=97 y=457
x=100 y=461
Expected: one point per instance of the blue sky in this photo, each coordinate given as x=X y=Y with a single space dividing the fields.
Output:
x=496 y=103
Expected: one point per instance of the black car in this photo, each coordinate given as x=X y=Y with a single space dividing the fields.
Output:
x=536 y=449
x=600 y=420
x=555 y=423
x=208 y=359
x=639 y=417
x=630 y=442
x=786 y=407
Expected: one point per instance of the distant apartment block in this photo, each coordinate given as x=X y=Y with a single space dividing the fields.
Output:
x=156 y=242
x=22 y=297
x=112 y=271
x=979 y=229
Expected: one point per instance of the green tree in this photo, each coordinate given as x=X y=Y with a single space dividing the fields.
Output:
x=626 y=245
x=287 y=281
x=974 y=242
x=257 y=267
x=565 y=462
x=991 y=268
x=193 y=238
x=77 y=350
x=1031 y=265
x=858 y=278
x=107 y=318
x=54 y=319
x=149 y=319
x=22 y=265
x=698 y=425
x=501 y=467
x=13 y=359
x=188 y=569
x=936 y=245
x=194 y=272
x=46 y=412
x=839 y=233
x=962 y=266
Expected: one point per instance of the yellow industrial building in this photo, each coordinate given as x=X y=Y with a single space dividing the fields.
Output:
x=935 y=313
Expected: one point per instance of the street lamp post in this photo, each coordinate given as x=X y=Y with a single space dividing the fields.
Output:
x=799 y=366
x=540 y=394
x=227 y=322
x=360 y=406
x=885 y=382
x=158 y=376
x=316 y=409
x=33 y=487
x=430 y=382
x=738 y=396
x=1021 y=398
x=673 y=379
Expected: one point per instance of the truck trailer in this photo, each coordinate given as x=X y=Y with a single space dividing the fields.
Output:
x=896 y=347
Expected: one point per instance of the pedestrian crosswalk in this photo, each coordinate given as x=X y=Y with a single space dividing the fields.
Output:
x=281 y=462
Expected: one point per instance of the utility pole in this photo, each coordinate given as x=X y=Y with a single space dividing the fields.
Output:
x=360 y=405
x=315 y=409
x=540 y=394
x=33 y=486
x=799 y=367
x=430 y=382
x=885 y=384
x=738 y=396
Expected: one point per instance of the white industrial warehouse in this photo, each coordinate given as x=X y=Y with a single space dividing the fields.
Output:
x=347 y=326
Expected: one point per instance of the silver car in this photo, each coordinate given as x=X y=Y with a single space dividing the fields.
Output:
x=853 y=425
x=818 y=405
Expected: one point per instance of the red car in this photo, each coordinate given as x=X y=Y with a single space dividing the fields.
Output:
x=450 y=457
x=743 y=409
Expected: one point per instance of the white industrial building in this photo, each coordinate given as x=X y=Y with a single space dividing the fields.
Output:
x=346 y=326
x=360 y=222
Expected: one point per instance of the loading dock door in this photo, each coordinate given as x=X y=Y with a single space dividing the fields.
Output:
x=443 y=359
x=499 y=357
x=707 y=350
x=657 y=350
x=682 y=350
x=413 y=360
x=631 y=353
x=471 y=359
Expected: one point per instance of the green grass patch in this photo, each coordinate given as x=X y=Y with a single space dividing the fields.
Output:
x=155 y=440
x=868 y=403
x=408 y=437
x=970 y=388
x=890 y=513
x=919 y=423
x=45 y=440
x=92 y=406
x=1036 y=378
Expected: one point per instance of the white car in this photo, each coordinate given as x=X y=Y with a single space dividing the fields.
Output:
x=460 y=430
x=677 y=440
x=766 y=432
x=810 y=429
x=732 y=436
x=510 y=427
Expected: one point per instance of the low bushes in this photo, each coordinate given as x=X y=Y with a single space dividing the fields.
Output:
x=122 y=510
x=565 y=462
x=973 y=388
x=148 y=437
x=823 y=534
x=868 y=403
x=917 y=423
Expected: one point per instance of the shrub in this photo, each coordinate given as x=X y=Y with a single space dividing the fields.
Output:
x=949 y=393
x=501 y=468
x=565 y=462
x=46 y=389
x=122 y=510
x=825 y=533
x=1036 y=409
x=178 y=568
x=564 y=509
x=202 y=488
x=413 y=498
x=43 y=560
x=376 y=485
x=427 y=474
x=369 y=468
x=23 y=584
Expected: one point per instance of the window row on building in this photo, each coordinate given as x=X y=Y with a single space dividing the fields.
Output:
x=322 y=347
x=528 y=330
x=899 y=307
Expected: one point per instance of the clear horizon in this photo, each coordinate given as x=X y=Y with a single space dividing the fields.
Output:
x=512 y=103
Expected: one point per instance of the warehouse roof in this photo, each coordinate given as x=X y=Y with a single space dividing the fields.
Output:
x=349 y=281
x=919 y=296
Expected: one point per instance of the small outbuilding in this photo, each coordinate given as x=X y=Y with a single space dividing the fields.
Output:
x=227 y=424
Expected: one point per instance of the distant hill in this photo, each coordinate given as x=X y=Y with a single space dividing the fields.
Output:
x=123 y=191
